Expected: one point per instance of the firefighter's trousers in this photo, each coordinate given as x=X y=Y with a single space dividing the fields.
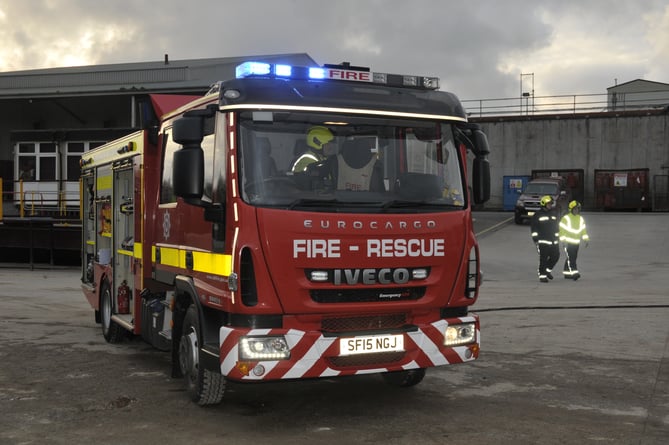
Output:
x=571 y=252
x=549 y=254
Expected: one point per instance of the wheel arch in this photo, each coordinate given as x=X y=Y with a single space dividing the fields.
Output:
x=209 y=324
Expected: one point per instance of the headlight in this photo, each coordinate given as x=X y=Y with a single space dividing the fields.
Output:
x=263 y=348
x=460 y=334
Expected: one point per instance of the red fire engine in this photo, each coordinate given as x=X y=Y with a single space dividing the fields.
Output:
x=295 y=222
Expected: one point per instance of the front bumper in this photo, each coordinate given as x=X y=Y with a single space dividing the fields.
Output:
x=526 y=212
x=314 y=354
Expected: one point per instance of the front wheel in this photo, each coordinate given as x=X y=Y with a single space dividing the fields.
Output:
x=404 y=379
x=204 y=387
x=111 y=331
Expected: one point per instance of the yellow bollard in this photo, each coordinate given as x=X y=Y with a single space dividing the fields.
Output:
x=22 y=210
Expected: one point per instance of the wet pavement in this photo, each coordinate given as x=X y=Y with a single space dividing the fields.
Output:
x=564 y=362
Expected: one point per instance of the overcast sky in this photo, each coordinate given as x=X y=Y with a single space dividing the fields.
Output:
x=479 y=48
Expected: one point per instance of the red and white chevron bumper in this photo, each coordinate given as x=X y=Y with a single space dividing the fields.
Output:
x=315 y=354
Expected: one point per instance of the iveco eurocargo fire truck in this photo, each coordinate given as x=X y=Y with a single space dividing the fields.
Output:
x=293 y=223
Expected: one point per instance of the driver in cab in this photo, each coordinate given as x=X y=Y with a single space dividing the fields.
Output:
x=320 y=145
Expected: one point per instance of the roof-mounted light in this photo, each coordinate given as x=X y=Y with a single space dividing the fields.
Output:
x=316 y=73
x=343 y=72
x=247 y=69
x=283 y=70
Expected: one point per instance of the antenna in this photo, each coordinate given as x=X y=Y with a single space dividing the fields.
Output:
x=527 y=95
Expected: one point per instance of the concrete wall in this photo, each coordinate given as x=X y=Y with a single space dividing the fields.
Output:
x=589 y=142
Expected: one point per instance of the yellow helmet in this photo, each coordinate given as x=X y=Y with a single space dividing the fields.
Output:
x=574 y=204
x=545 y=200
x=318 y=136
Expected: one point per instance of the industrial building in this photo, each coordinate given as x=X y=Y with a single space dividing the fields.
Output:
x=50 y=117
x=616 y=156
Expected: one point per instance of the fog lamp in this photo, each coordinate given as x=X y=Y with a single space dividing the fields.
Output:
x=419 y=274
x=319 y=275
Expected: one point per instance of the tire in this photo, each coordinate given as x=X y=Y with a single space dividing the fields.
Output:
x=111 y=331
x=204 y=387
x=404 y=379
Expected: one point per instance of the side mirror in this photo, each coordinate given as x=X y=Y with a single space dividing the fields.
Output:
x=188 y=163
x=481 y=171
x=188 y=131
x=481 y=179
x=481 y=147
x=188 y=173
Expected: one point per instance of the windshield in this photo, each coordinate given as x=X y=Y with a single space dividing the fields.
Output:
x=352 y=163
x=536 y=188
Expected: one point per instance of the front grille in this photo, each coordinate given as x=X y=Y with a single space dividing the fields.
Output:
x=366 y=295
x=381 y=358
x=364 y=323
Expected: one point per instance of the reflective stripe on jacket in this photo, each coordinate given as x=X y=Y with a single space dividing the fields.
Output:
x=301 y=164
x=572 y=229
x=544 y=227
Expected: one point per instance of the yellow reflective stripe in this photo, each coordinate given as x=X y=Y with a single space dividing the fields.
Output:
x=103 y=182
x=170 y=257
x=137 y=250
x=207 y=262
x=214 y=263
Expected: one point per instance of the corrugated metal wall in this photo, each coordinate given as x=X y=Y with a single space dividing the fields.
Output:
x=605 y=142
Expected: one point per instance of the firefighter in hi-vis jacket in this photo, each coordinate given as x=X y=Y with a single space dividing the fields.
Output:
x=545 y=234
x=572 y=232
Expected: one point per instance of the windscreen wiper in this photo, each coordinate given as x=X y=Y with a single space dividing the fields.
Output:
x=404 y=204
x=311 y=202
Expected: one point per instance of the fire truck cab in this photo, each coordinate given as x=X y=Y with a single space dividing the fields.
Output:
x=295 y=222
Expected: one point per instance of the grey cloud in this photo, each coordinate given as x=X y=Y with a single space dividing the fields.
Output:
x=461 y=42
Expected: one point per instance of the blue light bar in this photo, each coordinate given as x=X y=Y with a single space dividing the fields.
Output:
x=335 y=73
x=283 y=70
x=252 y=68
x=316 y=73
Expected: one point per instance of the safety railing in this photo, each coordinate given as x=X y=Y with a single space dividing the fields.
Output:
x=567 y=104
x=32 y=201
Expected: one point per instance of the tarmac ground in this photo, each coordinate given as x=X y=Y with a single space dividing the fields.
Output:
x=564 y=362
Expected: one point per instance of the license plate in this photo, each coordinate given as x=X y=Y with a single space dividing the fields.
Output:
x=371 y=344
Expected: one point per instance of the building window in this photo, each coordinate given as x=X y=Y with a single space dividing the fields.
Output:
x=40 y=161
x=27 y=162
x=37 y=161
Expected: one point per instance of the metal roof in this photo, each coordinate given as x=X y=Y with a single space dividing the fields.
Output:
x=131 y=78
x=642 y=84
